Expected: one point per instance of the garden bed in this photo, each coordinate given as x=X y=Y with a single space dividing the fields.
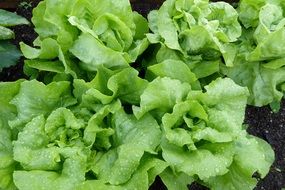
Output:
x=262 y=121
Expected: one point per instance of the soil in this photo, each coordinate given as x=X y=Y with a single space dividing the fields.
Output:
x=262 y=121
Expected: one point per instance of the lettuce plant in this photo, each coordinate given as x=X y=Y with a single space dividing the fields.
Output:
x=202 y=135
x=76 y=37
x=198 y=33
x=259 y=62
x=214 y=39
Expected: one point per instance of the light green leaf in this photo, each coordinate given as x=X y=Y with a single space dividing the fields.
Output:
x=161 y=95
x=252 y=155
x=132 y=138
x=141 y=26
x=205 y=68
x=197 y=162
x=173 y=69
x=175 y=181
x=249 y=12
x=141 y=179
x=108 y=85
x=165 y=25
x=51 y=152
x=50 y=66
x=31 y=152
x=229 y=27
x=48 y=97
x=49 y=49
x=73 y=173
x=97 y=132
x=268 y=48
x=93 y=53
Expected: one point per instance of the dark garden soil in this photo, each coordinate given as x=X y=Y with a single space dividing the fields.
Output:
x=262 y=122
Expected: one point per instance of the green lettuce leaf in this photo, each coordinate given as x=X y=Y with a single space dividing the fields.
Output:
x=93 y=53
x=142 y=178
x=173 y=69
x=109 y=85
x=48 y=97
x=72 y=174
x=51 y=152
x=175 y=181
x=244 y=166
x=130 y=142
x=161 y=95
